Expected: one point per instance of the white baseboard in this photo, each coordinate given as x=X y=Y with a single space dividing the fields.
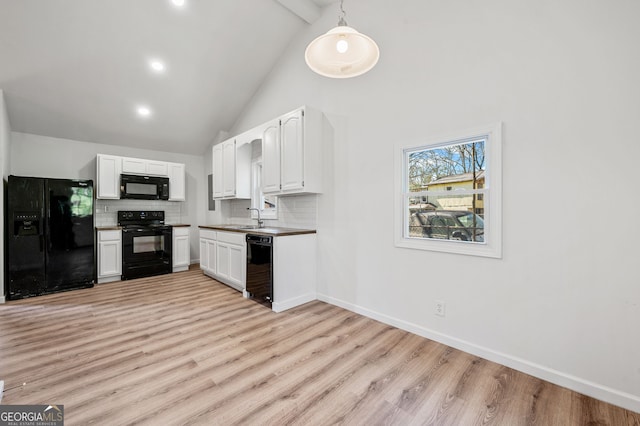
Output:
x=586 y=387
x=293 y=302
x=108 y=279
x=2 y=299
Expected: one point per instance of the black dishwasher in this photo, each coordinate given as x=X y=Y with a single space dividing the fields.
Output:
x=260 y=268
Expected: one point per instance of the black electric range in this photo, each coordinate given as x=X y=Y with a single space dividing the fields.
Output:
x=146 y=244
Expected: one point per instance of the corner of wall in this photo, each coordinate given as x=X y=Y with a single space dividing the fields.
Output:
x=5 y=149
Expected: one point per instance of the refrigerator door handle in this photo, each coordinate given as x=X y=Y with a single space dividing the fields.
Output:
x=41 y=242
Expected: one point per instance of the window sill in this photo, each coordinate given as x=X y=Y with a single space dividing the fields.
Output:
x=447 y=246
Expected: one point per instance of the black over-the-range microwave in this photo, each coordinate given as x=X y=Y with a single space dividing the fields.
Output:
x=144 y=187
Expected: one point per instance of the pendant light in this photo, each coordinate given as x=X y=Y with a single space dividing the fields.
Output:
x=342 y=52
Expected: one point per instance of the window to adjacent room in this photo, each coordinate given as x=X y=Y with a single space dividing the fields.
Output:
x=449 y=193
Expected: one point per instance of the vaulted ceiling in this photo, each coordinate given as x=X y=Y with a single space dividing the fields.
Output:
x=80 y=69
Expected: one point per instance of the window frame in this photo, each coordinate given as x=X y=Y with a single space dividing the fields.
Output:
x=257 y=196
x=492 y=193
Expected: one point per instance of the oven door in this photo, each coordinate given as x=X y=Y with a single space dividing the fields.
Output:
x=146 y=252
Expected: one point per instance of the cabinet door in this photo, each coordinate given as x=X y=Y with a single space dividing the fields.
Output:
x=180 y=251
x=229 y=168
x=211 y=253
x=109 y=258
x=177 y=190
x=108 y=176
x=292 y=146
x=218 y=176
x=237 y=265
x=222 y=260
x=158 y=168
x=204 y=255
x=271 y=158
x=137 y=166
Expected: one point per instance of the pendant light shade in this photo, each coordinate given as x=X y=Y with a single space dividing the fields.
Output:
x=342 y=52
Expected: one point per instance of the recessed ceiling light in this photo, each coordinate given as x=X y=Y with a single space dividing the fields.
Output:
x=157 y=66
x=178 y=3
x=143 y=111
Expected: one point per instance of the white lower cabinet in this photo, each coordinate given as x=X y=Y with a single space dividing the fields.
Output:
x=223 y=257
x=208 y=252
x=294 y=271
x=109 y=255
x=180 y=249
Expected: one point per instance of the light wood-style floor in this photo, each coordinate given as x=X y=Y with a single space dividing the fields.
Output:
x=184 y=349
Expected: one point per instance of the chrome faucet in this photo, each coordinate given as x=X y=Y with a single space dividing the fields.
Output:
x=260 y=221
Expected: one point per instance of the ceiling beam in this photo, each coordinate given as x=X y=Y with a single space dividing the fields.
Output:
x=307 y=10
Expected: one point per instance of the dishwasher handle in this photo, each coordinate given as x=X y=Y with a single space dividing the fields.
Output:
x=259 y=240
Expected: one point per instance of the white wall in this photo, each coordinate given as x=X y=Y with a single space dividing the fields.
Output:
x=5 y=147
x=564 y=301
x=33 y=155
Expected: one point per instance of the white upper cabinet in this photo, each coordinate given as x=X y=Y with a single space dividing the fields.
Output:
x=232 y=169
x=218 y=177
x=292 y=157
x=229 y=169
x=177 y=178
x=159 y=168
x=293 y=152
x=271 y=157
x=108 y=169
x=138 y=166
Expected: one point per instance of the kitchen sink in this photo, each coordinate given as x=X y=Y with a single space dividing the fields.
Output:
x=241 y=226
x=269 y=230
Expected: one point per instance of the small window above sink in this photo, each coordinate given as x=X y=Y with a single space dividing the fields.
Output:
x=267 y=203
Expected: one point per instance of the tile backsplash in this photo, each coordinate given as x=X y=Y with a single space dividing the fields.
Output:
x=294 y=211
x=106 y=213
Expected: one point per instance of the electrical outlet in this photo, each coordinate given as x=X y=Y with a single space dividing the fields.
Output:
x=106 y=209
x=440 y=308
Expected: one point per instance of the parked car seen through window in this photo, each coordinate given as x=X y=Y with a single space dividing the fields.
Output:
x=447 y=225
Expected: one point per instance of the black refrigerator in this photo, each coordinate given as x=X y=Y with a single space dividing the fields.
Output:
x=50 y=236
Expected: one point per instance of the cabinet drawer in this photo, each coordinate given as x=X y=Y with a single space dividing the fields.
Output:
x=181 y=231
x=232 y=237
x=208 y=234
x=109 y=235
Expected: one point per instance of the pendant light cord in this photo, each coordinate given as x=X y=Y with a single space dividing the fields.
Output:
x=341 y=20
